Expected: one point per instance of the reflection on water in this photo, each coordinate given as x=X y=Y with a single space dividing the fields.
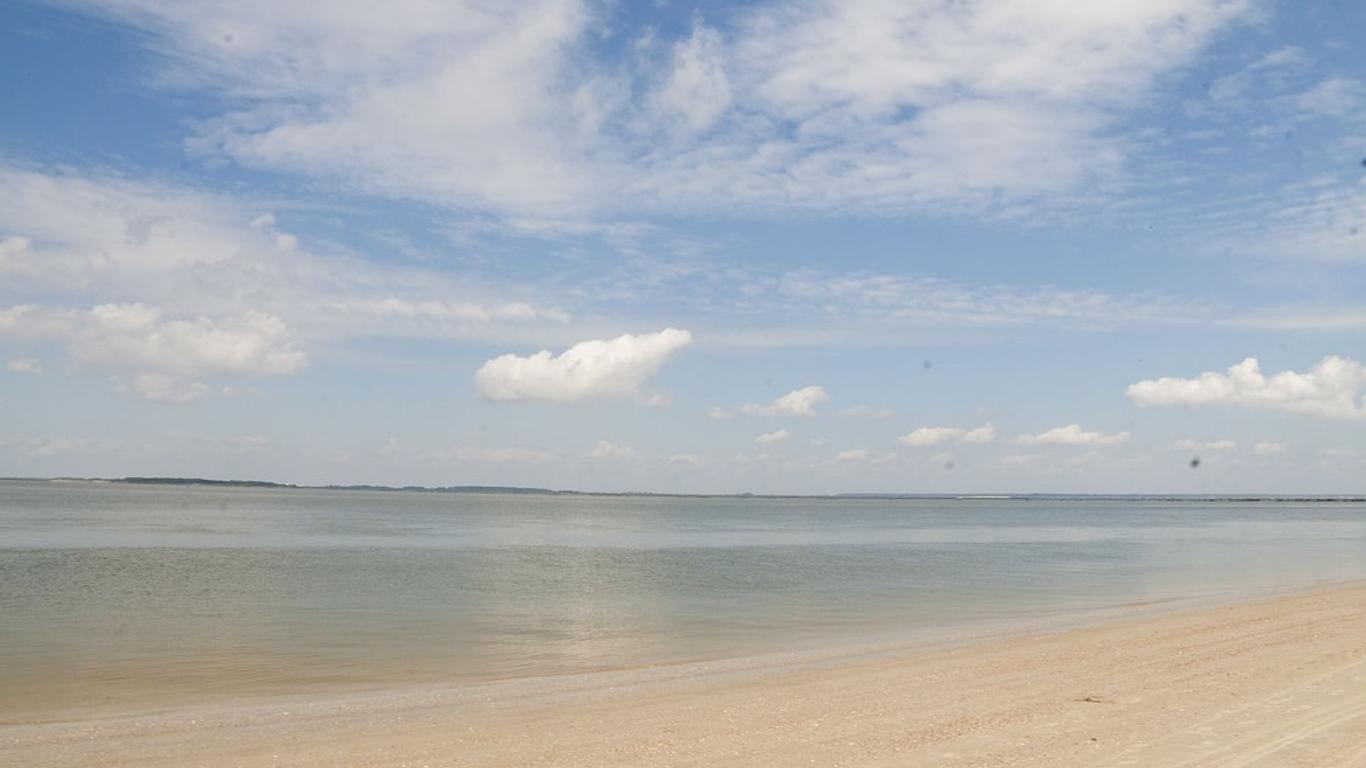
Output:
x=110 y=593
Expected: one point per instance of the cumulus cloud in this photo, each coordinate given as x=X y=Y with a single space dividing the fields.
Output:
x=253 y=343
x=1268 y=448
x=140 y=337
x=927 y=436
x=606 y=450
x=856 y=454
x=1073 y=434
x=1333 y=389
x=772 y=437
x=798 y=402
x=587 y=370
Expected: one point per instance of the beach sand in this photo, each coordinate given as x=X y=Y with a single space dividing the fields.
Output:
x=1279 y=682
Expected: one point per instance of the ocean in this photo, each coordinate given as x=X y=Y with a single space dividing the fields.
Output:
x=123 y=596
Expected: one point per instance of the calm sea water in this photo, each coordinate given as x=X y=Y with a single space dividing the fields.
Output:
x=118 y=594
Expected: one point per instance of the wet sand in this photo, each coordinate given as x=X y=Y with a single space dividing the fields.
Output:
x=1279 y=682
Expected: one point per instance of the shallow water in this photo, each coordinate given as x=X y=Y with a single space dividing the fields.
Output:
x=121 y=595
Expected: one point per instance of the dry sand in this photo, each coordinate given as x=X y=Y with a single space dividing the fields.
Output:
x=1273 y=683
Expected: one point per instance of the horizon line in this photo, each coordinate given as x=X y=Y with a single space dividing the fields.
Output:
x=541 y=491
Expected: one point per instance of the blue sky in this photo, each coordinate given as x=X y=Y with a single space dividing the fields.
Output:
x=773 y=247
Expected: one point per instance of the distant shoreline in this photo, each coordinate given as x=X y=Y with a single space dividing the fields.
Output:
x=532 y=491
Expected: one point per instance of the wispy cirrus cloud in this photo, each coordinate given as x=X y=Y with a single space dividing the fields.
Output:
x=102 y=237
x=863 y=106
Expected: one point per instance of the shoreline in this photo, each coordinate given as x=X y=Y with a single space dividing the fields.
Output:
x=513 y=716
x=557 y=685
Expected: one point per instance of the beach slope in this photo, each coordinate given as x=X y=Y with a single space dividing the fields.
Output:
x=1278 y=682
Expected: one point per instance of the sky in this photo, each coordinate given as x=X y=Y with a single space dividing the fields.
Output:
x=802 y=247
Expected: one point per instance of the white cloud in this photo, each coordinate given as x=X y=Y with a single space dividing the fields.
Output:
x=1323 y=222
x=685 y=459
x=880 y=300
x=330 y=109
x=914 y=105
x=12 y=251
x=516 y=107
x=1073 y=434
x=772 y=437
x=161 y=388
x=589 y=369
x=798 y=402
x=697 y=89
x=1187 y=444
x=608 y=451
x=853 y=456
x=75 y=228
x=1333 y=97
x=1268 y=448
x=926 y=436
x=104 y=238
x=1333 y=389
x=24 y=365
x=136 y=336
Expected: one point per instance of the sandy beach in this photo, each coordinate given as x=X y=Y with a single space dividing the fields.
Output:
x=1278 y=682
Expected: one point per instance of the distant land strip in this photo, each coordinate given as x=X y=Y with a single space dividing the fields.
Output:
x=528 y=491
